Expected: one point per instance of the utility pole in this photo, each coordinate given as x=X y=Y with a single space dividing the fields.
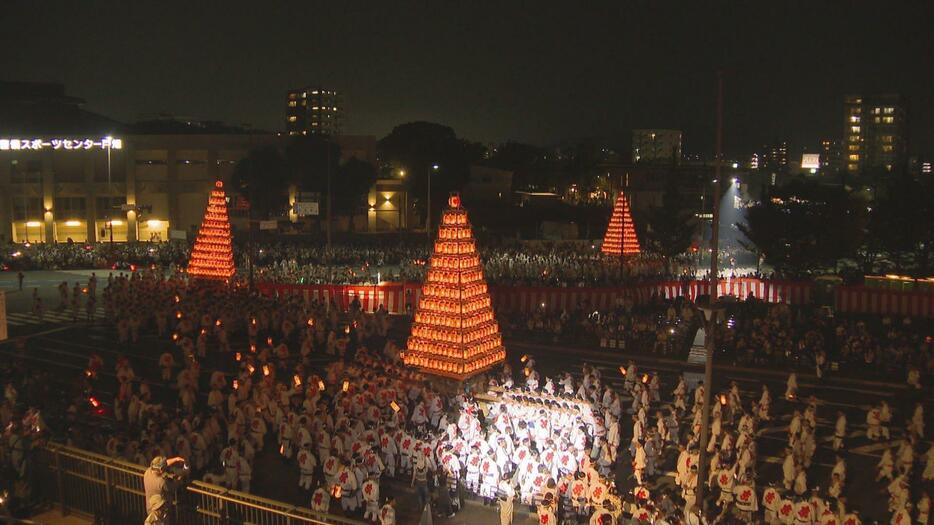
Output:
x=703 y=461
x=327 y=252
x=327 y=142
x=249 y=226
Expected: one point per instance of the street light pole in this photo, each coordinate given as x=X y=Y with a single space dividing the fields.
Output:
x=110 y=191
x=431 y=169
x=703 y=462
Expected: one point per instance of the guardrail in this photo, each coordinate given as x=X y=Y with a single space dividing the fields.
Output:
x=111 y=491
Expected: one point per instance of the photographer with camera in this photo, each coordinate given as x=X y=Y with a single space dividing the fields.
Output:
x=157 y=481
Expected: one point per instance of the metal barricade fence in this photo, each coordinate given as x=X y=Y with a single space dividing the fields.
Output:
x=111 y=490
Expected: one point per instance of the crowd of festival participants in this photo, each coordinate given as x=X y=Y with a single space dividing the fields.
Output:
x=403 y=259
x=758 y=334
x=240 y=374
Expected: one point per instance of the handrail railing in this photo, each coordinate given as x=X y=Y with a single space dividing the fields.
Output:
x=111 y=490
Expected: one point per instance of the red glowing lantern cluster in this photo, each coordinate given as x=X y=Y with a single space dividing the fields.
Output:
x=620 y=238
x=454 y=333
x=212 y=255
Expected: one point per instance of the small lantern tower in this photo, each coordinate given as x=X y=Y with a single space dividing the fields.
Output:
x=212 y=256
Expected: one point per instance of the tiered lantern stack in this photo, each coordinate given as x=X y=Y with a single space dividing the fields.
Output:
x=454 y=333
x=212 y=255
x=620 y=236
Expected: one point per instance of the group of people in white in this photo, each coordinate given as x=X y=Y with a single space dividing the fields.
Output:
x=558 y=443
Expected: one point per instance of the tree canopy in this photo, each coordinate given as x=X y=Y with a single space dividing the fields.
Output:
x=418 y=146
x=804 y=227
x=902 y=225
x=263 y=177
x=669 y=228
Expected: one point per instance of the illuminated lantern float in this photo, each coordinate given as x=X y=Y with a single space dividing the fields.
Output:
x=620 y=238
x=212 y=255
x=454 y=333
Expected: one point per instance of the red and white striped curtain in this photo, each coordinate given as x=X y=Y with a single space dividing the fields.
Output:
x=860 y=299
x=396 y=296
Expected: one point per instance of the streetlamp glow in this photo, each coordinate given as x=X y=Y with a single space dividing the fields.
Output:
x=434 y=167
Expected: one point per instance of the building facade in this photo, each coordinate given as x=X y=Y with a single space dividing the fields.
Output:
x=774 y=156
x=70 y=174
x=875 y=132
x=141 y=187
x=656 y=146
x=314 y=111
x=388 y=206
x=831 y=160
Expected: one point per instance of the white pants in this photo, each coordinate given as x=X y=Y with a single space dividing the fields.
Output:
x=372 y=510
x=305 y=479
x=349 y=502
x=389 y=460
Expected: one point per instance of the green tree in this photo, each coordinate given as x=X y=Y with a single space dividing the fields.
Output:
x=353 y=181
x=416 y=147
x=528 y=163
x=902 y=224
x=669 y=228
x=804 y=227
x=309 y=159
x=263 y=178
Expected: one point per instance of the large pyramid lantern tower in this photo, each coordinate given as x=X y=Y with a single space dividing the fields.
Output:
x=454 y=333
x=620 y=238
x=212 y=256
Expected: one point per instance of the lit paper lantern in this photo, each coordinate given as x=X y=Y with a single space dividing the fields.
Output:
x=212 y=255
x=620 y=238
x=454 y=333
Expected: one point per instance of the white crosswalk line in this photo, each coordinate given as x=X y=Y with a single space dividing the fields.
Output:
x=29 y=318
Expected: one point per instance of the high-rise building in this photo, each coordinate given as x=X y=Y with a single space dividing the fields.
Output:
x=314 y=111
x=774 y=156
x=875 y=132
x=656 y=146
x=830 y=159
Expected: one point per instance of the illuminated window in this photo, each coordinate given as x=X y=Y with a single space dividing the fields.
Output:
x=889 y=111
x=853 y=138
x=292 y=96
x=293 y=103
x=876 y=111
x=854 y=119
x=853 y=157
x=853 y=147
x=292 y=118
x=888 y=120
x=888 y=167
x=852 y=167
x=877 y=120
x=888 y=148
x=888 y=139
x=854 y=129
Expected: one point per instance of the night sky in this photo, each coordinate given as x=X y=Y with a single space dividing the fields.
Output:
x=538 y=72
